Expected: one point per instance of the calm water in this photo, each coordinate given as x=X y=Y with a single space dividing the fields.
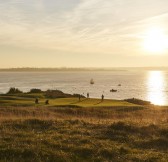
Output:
x=146 y=85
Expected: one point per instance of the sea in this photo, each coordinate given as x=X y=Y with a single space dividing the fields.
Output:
x=143 y=84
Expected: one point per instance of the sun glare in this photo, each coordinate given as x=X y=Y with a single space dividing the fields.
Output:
x=156 y=85
x=155 y=41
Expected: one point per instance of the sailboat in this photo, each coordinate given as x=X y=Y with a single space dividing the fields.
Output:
x=92 y=81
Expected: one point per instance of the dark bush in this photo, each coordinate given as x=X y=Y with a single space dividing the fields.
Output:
x=14 y=91
x=56 y=94
x=138 y=101
x=59 y=94
x=34 y=90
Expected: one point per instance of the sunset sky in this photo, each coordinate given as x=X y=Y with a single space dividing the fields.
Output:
x=83 y=33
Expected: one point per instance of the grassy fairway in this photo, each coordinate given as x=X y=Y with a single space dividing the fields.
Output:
x=88 y=102
x=29 y=101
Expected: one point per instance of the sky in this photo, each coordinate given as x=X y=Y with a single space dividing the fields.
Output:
x=82 y=33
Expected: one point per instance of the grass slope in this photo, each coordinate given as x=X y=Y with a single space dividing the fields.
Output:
x=50 y=134
x=71 y=131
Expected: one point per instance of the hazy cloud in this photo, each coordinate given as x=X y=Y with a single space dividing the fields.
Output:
x=80 y=26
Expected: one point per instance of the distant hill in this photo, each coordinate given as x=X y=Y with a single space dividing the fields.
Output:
x=27 y=69
x=61 y=69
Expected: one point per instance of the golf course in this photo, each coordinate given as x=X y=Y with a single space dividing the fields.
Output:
x=69 y=129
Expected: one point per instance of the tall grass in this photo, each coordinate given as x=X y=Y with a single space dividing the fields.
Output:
x=99 y=134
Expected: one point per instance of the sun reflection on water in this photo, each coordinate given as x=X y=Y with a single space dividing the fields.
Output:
x=156 y=86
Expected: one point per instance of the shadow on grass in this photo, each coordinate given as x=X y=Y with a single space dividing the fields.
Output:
x=79 y=101
x=159 y=143
x=129 y=109
x=98 y=103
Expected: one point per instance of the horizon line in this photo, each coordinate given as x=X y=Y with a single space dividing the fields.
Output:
x=36 y=68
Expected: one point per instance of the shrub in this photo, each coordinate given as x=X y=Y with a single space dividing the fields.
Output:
x=34 y=90
x=138 y=101
x=14 y=91
x=56 y=94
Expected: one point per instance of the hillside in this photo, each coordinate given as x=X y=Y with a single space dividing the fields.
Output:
x=113 y=133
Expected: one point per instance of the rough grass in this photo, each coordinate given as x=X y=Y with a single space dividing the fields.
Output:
x=119 y=134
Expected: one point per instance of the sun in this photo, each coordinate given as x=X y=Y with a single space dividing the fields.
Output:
x=155 y=41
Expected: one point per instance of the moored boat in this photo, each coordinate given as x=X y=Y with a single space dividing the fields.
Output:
x=92 y=81
x=113 y=90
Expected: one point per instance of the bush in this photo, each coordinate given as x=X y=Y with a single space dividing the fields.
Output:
x=14 y=91
x=138 y=101
x=60 y=94
x=56 y=94
x=34 y=90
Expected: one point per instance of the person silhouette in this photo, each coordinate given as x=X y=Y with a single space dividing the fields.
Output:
x=36 y=101
x=47 y=102
x=102 y=97
x=87 y=95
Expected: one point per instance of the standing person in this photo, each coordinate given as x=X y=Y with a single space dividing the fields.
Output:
x=47 y=102
x=102 y=97
x=36 y=101
x=87 y=95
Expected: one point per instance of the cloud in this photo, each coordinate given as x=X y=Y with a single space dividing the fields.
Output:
x=86 y=26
